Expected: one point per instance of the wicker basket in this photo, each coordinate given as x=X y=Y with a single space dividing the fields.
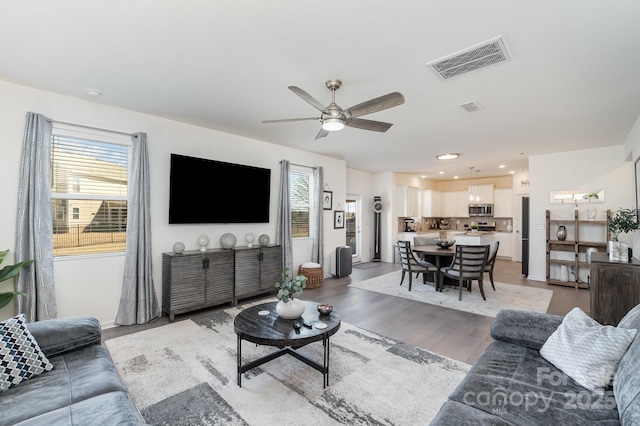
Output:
x=314 y=275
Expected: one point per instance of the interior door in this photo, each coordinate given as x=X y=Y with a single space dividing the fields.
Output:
x=352 y=223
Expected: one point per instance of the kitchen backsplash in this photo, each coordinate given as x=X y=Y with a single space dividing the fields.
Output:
x=426 y=224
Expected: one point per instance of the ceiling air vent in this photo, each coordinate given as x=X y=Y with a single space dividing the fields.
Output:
x=472 y=106
x=474 y=58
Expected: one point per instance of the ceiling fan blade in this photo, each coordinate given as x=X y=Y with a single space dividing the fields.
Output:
x=322 y=133
x=290 y=119
x=308 y=98
x=374 y=105
x=361 y=123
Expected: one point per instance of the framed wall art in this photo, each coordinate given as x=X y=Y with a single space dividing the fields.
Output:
x=338 y=219
x=327 y=200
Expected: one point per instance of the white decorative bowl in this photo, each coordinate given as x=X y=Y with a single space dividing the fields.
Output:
x=178 y=247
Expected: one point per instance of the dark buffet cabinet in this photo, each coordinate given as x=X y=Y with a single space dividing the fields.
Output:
x=195 y=280
x=257 y=269
x=615 y=288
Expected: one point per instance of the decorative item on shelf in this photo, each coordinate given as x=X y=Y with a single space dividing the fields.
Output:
x=591 y=212
x=8 y=272
x=178 y=247
x=588 y=252
x=228 y=240
x=622 y=221
x=561 y=233
x=509 y=227
x=564 y=273
x=288 y=307
x=264 y=240
x=590 y=196
x=203 y=241
x=249 y=239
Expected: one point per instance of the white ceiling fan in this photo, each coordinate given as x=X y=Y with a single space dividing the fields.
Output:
x=335 y=118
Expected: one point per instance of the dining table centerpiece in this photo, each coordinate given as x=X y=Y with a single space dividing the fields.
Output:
x=288 y=306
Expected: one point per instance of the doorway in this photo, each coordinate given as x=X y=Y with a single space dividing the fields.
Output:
x=352 y=223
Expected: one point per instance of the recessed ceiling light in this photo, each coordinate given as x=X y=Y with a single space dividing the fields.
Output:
x=94 y=93
x=440 y=173
x=511 y=172
x=456 y=177
x=448 y=156
x=423 y=177
x=502 y=166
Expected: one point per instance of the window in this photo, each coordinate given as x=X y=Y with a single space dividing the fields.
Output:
x=89 y=182
x=300 y=195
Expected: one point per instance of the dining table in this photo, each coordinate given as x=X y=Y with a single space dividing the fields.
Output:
x=443 y=257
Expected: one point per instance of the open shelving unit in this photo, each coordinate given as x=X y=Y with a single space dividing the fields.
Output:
x=572 y=251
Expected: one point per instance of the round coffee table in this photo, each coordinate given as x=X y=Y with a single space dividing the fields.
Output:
x=261 y=324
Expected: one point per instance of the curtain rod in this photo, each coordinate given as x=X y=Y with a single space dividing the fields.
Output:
x=93 y=128
x=299 y=165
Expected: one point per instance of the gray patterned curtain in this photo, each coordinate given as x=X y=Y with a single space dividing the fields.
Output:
x=138 y=302
x=283 y=227
x=317 y=216
x=34 y=225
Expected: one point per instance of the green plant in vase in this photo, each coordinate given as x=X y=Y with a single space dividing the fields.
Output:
x=9 y=272
x=288 y=288
x=623 y=221
x=288 y=306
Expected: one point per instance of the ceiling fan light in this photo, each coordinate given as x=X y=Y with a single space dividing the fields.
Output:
x=332 y=124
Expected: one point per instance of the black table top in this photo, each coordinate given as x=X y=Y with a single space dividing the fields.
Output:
x=275 y=331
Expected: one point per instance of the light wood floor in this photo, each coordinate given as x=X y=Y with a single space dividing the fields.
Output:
x=455 y=334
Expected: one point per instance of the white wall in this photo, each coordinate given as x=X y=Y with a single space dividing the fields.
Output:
x=632 y=151
x=92 y=286
x=588 y=170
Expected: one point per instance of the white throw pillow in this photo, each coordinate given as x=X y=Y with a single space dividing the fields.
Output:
x=586 y=351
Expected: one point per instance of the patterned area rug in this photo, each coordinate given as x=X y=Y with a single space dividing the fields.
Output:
x=506 y=296
x=184 y=373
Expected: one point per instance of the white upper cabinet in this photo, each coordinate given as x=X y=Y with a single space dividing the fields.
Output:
x=483 y=192
x=431 y=203
x=503 y=202
x=462 y=204
x=408 y=201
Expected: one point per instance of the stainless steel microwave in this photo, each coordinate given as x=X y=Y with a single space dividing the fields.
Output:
x=480 y=210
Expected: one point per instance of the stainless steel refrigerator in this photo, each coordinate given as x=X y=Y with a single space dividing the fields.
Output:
x=525 y=236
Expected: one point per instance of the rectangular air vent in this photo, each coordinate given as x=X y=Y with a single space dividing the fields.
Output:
x=474 y=58
x=472 y=106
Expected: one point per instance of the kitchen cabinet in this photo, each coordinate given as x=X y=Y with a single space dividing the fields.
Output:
x=431 y=203
x=473 y=238
x=194 y=280
x=615 y=288
x=462 y=204
x=484 y=193
x=455 y=204
x=503 y=202
x=504 y=249
x=257 y=269
x=408 y=198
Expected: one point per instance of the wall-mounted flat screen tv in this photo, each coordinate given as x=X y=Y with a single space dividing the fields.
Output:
x=210 y=191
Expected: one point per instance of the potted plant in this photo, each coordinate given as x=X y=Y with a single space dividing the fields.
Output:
x=622 y=221
x=9 y=272
x=474 y=227
x=288 y=307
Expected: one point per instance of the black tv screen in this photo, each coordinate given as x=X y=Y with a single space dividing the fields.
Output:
x=209 y=191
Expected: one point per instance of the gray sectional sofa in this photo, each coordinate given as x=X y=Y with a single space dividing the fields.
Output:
x=512 y=384
x=84 y=387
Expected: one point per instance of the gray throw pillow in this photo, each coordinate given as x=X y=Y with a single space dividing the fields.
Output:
x=20 y=355
x=586 y=351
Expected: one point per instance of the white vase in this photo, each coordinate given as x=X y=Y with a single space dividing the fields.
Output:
x=564 y=273
x=290 y=310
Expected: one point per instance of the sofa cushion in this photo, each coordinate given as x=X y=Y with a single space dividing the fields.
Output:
x=60 y=335
x=78 y=376
x=530 y=329
x=626 y=382
x=592 y=368
x=20 y=356
x=517 y=385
